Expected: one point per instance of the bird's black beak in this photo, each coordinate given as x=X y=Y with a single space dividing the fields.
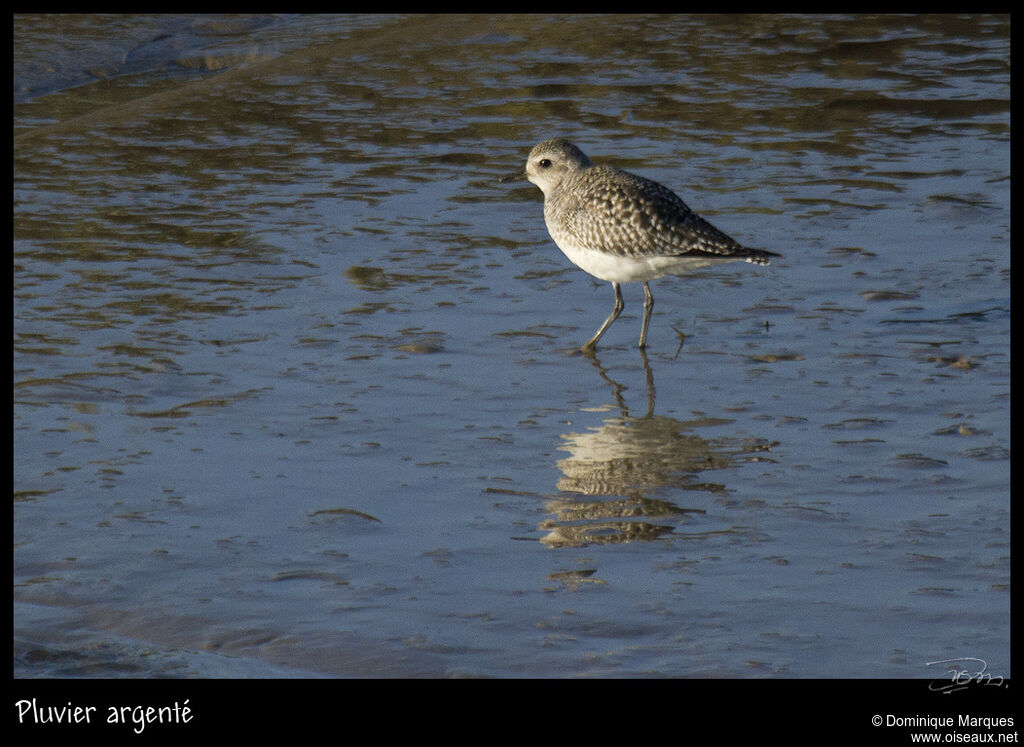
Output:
x=521 y=176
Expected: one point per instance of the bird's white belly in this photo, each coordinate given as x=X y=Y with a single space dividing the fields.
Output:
x=618 y=269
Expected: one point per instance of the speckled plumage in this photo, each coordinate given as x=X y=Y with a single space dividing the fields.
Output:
x=613 y=211
x=621 y=227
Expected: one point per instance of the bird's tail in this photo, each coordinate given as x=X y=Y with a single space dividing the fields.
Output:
x=759 y=256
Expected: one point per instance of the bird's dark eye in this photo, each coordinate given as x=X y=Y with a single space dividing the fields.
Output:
x=544 y=163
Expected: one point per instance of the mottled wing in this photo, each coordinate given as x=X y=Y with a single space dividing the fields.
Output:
x=630 y=216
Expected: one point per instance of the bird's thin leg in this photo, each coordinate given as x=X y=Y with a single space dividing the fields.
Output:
x=648 y=305
x=616 y=310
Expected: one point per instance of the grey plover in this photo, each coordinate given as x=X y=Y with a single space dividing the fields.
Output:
x=621 y=227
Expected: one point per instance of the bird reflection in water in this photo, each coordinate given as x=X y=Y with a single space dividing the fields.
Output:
x=612 y=469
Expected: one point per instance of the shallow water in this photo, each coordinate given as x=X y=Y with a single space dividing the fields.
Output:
x=294 y=385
